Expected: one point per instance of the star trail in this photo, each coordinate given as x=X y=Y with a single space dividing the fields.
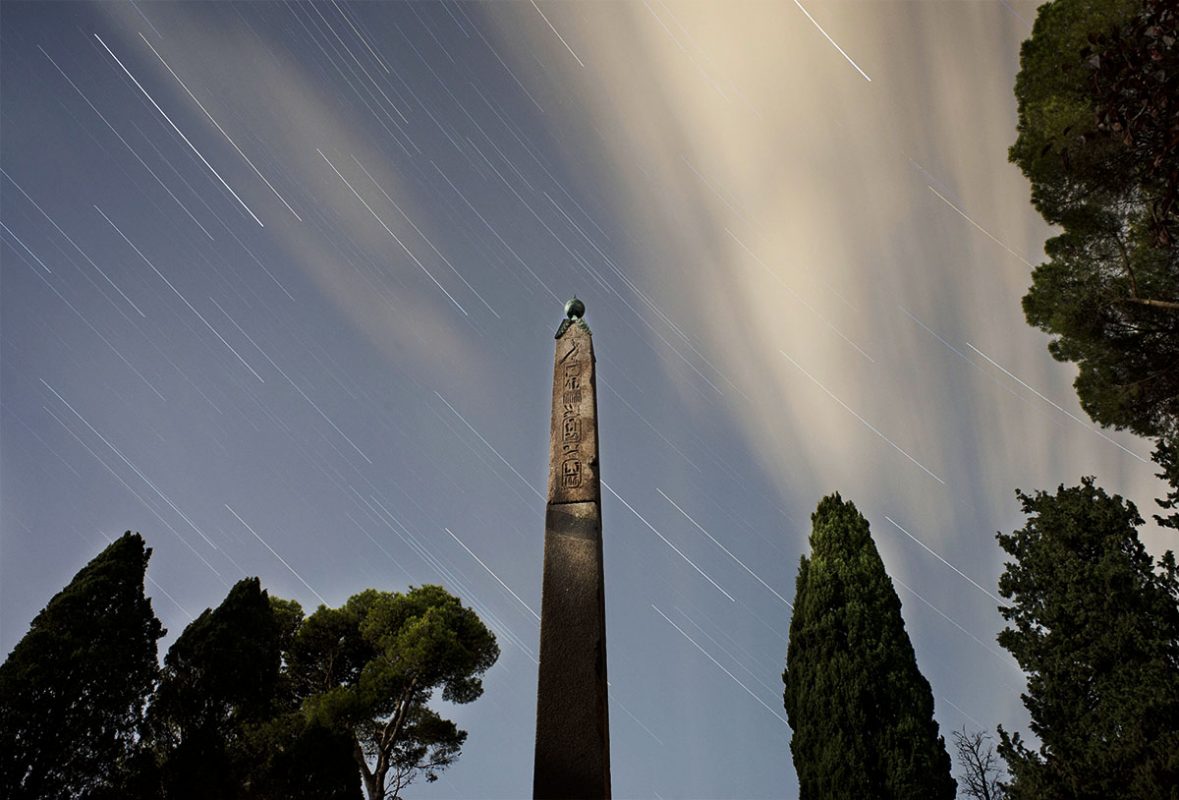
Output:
x=279 y=282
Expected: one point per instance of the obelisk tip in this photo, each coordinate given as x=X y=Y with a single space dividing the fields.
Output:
x=574 y=314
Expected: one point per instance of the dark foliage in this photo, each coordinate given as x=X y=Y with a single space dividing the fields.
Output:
x=225 y=722
x=369 y=668
x=1094 y=622
x=294 y=759
x=253 y=702
x=72 y=691
x=1097 y=123
x=861 y=712
x=1166 y=455
x=219 y=679
x=1135 y=85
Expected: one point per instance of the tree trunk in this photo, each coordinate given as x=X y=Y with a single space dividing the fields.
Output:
x=372 y=787
x=374 y=779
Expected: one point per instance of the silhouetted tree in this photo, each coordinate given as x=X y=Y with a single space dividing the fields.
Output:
x=1134 y=76
x=72 y=691
x=368 y=669
x=1094 y=622
x=225 y=719
x=980 y=775
x=253 y=703
x=292 y=758
x=1097 y=139
x=219 y=679
x=861 y=712
x=1166 y=455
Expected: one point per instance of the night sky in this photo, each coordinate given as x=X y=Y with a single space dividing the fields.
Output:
x=279 y=285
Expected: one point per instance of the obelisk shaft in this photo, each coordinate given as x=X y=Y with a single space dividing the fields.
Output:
x=572 y=721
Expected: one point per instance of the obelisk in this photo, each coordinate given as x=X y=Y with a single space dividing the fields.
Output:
x=572 y=721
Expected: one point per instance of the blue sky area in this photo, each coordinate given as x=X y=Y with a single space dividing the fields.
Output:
x=279 y=288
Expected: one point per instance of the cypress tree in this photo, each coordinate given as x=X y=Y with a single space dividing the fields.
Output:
x=861 y=712
x=72 y=690
x=225 y=720
x=1094 y=621
x=219 y=677
x=1166 y=455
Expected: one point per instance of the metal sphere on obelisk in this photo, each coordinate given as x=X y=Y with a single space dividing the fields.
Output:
x=572 y=720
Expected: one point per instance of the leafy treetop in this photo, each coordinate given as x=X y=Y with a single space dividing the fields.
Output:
x=1093 y=128
x=73 y=689
x=861 y=712
x=1095 y=625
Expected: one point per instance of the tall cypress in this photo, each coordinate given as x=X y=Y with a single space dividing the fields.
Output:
x=861 y=712
x=219 y=677
x=226 y=724
x=72 y=690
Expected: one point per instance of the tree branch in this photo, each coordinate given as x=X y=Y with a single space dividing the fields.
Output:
x=393 y=727
x=391 y=730
x=1134 y=298
x=1126 y=264
x=1169 y=305
x=369 y=779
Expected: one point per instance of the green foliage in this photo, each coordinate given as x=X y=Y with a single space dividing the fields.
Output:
x=1095 y=625
x=293 y=759
x=370 y=667
x=1135 y=82
x=73 y=689
x=1166 y=455
x=428 y=745
x=257 y=702
x=253 y=702
x=219 y=678
x=1109 y=292
x=1072 y=168
x=224 y=667
x=861 y=712
x=225 y=721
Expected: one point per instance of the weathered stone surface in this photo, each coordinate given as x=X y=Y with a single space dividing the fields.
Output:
x=572 y=728
x=572 y=719
x=573 y=450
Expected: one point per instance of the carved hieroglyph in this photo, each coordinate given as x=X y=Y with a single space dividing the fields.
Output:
x=572 y=721
x=573 y=457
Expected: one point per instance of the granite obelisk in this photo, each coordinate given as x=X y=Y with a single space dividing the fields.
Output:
x=572 y=720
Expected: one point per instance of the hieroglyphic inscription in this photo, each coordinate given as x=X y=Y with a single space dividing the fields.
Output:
x=573 y=453
x=572 y=757
x=571 y=456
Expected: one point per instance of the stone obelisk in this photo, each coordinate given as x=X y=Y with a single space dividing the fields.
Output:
x=572 y=723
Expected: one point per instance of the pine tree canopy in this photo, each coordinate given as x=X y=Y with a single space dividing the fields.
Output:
x=861 y=712
x=254 y=702
x=225 y=722
x=219 y=677
x=1166 y=455
x=72 y=690
x=369 y=667
x=1097 y=139
x=1095 y=624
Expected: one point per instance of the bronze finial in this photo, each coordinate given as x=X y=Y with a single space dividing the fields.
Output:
x=574 y=313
